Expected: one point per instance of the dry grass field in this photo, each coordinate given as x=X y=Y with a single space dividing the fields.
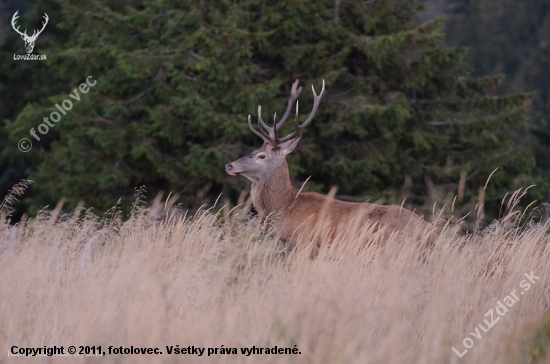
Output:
x=208 y=282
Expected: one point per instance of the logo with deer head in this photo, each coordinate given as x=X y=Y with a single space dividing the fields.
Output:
x=29 y=40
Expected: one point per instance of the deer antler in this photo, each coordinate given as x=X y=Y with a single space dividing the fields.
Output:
x=24 y=34
x=43 y=25
x=271 y=135
x=299 y=128
x=294 y=94
x=260 y=133
x=14 y=17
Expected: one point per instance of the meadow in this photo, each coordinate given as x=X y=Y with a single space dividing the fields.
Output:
x=220 y=280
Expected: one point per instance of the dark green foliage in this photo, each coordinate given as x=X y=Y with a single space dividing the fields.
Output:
x=542 y=154
x=506 y=36
x=176 y=81
x=511 y=37
x=23 y=84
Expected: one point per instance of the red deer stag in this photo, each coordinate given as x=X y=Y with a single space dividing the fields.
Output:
x=293 y=213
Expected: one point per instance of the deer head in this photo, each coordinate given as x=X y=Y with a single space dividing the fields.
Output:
x=262 y=163
x=29 y=40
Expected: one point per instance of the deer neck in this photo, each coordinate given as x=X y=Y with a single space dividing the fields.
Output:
x=273 y=195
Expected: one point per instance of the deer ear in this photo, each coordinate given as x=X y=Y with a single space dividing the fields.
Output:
x=289 y=145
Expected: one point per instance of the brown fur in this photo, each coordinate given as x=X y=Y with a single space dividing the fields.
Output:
x=295 y=214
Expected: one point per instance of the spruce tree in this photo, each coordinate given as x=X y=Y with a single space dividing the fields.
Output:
x=24 y=84
x=505 y=36
x=176 y=81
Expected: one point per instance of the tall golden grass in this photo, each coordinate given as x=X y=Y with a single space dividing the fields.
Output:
x=210 y=280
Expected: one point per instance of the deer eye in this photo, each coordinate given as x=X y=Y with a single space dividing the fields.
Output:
x=262 y=156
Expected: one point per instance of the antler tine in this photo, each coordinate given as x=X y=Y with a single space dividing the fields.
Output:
x=265 y=138
x=316 y=102
x=262 y=124
x=294 y=94
x=46 y=18
x=299 y=128
x=275 y=139
x=13 y=19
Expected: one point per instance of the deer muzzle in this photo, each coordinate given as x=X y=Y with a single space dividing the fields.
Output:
x=231 y=170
